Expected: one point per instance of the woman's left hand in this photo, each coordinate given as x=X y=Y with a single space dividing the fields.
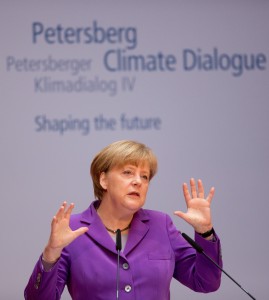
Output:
x=198 y=213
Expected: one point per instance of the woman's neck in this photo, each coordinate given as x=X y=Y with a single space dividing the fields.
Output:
x=113 y=219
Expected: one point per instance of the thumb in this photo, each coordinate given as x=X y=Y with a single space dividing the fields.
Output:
x=182 y=215
x=80 y=231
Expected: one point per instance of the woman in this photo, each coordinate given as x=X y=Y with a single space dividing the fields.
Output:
x=81 y=250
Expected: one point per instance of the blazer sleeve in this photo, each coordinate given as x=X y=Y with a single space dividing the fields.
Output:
x=44 y=285
x=193 y=269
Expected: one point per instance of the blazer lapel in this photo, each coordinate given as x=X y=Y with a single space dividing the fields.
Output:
x=97 y=230
x=138 y=230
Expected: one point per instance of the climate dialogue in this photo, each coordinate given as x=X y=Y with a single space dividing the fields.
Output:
x=119 y=60
x=236 y=63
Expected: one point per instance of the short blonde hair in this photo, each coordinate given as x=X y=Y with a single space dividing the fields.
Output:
x=118 y=154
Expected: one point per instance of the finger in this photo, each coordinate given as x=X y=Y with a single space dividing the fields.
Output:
x=186 y=193
x=69 y=210
x=210 y=195
x=193 y=188
x=201 y=192
x=60 y=213
x=54 y=221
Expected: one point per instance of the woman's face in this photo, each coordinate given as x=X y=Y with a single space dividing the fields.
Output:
x=126 y=187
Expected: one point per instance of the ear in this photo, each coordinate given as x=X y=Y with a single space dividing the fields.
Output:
x=103 y=180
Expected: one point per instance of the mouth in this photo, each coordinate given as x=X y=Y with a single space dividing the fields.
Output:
x=134 y=194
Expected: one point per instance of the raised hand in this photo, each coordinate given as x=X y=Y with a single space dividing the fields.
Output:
x=61 y=234
x=198 y=213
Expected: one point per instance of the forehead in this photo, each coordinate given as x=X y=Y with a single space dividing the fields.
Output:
x=142 y=165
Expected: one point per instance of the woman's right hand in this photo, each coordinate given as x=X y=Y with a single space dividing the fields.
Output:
x=61 y=234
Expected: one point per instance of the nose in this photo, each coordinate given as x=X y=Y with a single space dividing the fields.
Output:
x=137 y=180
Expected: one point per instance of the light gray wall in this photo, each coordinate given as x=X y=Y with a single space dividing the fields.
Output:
x=214 y=126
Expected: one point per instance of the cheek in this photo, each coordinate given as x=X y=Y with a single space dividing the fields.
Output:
x=145 y=189
x=119 y=187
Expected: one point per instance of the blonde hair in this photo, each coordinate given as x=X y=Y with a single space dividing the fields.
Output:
x=118 y=154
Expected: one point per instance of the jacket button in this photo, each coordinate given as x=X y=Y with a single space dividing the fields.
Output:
x=128 y=288
x=125 y=266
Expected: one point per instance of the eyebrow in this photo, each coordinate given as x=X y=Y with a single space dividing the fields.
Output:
x=134 y=167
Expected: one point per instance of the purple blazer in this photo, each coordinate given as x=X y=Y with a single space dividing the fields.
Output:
x=154 y=253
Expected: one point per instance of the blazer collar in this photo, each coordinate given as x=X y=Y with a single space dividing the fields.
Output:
x=97 y=231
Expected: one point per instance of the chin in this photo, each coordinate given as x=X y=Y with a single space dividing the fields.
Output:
x=135 y=204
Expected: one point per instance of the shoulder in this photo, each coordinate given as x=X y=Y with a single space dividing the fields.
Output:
x=82 y=218
x=154 y=213
x=154 y=216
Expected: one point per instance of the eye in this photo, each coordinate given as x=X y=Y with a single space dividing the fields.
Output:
x=127 y=172
x=145 y=177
